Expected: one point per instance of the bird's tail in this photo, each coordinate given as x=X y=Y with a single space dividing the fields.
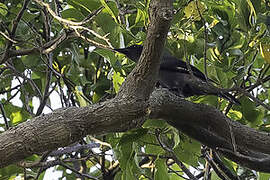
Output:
x=230 y=98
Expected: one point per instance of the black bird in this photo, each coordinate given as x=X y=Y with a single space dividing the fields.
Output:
x=174 y=75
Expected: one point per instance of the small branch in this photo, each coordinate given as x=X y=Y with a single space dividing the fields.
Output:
x=15 y=23
x=258 y=83
x=91 y=41
x=174 y=157
x=33 y=84
x=18 y=18
x=256 y=100
x=77 y=25
x=121 y=13
x=46 y=94
x=11 y=89
x=141 y=81
x=75 y=148
x=4 y=115
x=205 y=40
x=213 y=131
x=92 y=32
x=8 y=38
x=214 y=166
x=222 y=167
x=64 y=21
x=77 y=172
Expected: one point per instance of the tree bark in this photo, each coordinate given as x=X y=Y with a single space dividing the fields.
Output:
x=204 y=123
x=126 y=111
x=131 y=106
x=212 y=128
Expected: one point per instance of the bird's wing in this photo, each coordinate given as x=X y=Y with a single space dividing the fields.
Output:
x=171 y=63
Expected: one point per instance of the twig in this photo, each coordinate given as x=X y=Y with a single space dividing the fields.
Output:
x=205 y=41
x=258 y=83
x=8 y=38
x=121 y=13
x=256 y=100
x=179 y=163
x=46 y=93
x=9 y=90
x=75 y=148
x=4 y=115
x=91 y=41
x=26 y=78
x=100 y=142
x=78 y=25
x=77 y=172
x=92 y=32
x=15 y=23
x=222 y=166
x=221 y=175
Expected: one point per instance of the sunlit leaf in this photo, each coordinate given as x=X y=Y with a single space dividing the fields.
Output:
x=194 y=9
x=80 y=97
x=16 y=117
x=265 y=52
x=264 y=176
x=117 y=81
x=3 y=9
x=109 y=10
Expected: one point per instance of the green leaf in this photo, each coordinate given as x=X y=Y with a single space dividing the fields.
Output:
x=18 y=65
x=236 y=115
x=222 y=77
x=151 y=145
x=109 y=55
x=80 y=97
x=141 y=17
x=177 y=169
x=250 y=112
x=15 y=113
x=133 y=135
x=16 y=117
x=109 y=10
x=88 y=5
x=155 y=123
x=3 y=9
x=264 y=176
x=74 y=73
x=161 y=170
x=127 y=155
x=7 y=172
x=117 y=81
x=31 y=60
x=72 y=14
x=188 y=151
x=252 y=11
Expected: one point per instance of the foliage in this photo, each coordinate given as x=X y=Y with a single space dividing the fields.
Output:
x=45 y=59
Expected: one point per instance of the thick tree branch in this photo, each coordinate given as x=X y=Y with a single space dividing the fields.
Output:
x=66 y=126
x=203 y=123
x=142 y=80
x=211 y=127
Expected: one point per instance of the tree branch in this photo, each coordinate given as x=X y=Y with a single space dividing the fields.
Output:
x=212 y=128
x=143 y=78
x=66 y=126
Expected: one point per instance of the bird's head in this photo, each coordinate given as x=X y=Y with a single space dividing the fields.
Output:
x=132 y=52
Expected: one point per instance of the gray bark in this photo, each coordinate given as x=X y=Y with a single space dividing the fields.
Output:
x=132 y=106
